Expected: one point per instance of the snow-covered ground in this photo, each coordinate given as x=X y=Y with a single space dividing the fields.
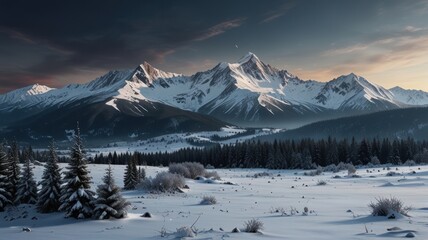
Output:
x=338 y=210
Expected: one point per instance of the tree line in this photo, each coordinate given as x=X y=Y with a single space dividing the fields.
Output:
x=284 y=154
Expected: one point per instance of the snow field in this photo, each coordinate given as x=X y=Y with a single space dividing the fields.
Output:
x=177 y=141
x=259 y=198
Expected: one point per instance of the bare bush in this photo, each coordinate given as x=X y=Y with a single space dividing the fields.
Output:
x=187 y=169
x=192 y=170
x=208 y=200
x=351 y=169
x=341 y=166
x=180 y=169
x=185 y=232
x=305 y=211
x=165 y=182
x=261 y=174
x=330 y=168
x=195 y=169
x=293 y=211
x=316 y=172
x=321 y=183
x=387 y=206
x=253 y=226
x=280 y=210
x=212 y=175
x=209 y=166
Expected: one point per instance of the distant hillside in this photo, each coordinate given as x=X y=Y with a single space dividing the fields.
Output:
x=398 y=123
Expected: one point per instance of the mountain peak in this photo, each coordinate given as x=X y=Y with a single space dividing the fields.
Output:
x=148 y=67
x=146 y=73
x=248 y=57
x=23 y=94
x=349 y=76
x=397 y=88
x=36 y=89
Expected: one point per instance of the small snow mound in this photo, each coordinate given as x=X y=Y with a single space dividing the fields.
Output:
x=387 y=184
x=399 y=234
x=185 y=232
x=410 y=235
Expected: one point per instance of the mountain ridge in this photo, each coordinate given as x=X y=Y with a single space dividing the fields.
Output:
x=246 y=93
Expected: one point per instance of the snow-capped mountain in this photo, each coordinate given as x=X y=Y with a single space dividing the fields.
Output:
x=356 y=93
x=24 y=96
x=245 y=93
x=252 y=93
x=410 y=97
x=40 y=97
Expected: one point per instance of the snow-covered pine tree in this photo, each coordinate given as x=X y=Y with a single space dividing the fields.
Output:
x=27 y=187
x=137 y=177
x=5 y=196
x=129 y=179
x=141 y=174
x=76 y=196
x=110 y=202
x=14 y=170
x=49 y=195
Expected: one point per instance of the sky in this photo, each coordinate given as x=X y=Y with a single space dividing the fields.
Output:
x=55 y=43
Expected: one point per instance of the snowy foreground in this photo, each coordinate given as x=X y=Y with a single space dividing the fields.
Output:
x=338 y=210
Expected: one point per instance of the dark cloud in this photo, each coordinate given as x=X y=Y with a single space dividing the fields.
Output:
x=57 y=42
x=103 y=35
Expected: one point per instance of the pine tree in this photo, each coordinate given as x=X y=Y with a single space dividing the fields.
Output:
x=110 y=202
x=14 y=170
x=30 y=153
x=5 y=195
x=76 y=196
x=49 y=195
x=364 y=153
x=395 y=153
x=296 y=160
x=141 y=174
x=130 y=178
x=280 y=159
x=271 y=161
x=136 y=173
x=27 y=187
x=306 y=159
x=332 y=152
